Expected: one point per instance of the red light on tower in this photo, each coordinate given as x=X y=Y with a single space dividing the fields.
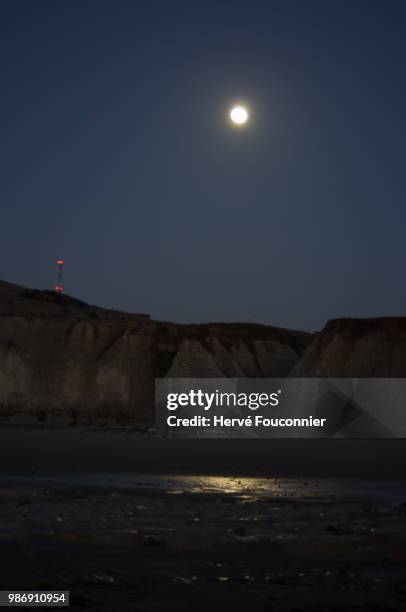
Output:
x=59 y=286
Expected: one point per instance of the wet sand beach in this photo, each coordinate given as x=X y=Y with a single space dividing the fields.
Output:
x=122 y=542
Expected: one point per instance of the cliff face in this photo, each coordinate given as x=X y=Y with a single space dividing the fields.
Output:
x=356 y=348
x=63 y=361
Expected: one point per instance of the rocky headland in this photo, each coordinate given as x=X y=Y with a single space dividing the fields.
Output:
x=356 y=348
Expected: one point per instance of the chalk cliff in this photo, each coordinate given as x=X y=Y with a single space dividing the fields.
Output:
x=356 y=348
x=63 y=361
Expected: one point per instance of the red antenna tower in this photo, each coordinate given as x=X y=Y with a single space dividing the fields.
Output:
x=59 y=286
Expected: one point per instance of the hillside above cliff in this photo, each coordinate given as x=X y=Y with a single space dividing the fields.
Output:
x=16 y=300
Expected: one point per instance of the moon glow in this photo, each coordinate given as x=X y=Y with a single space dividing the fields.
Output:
x=239 y=115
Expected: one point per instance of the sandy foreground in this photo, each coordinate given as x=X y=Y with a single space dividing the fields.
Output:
x=196 y=543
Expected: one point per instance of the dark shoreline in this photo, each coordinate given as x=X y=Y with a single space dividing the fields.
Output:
x=86 y=450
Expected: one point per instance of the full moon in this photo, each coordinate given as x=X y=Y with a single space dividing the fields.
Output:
x=239 y=115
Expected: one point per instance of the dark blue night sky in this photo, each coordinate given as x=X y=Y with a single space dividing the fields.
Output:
x=116 y=154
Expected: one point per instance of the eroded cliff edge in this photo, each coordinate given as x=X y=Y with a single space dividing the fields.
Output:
x=356 y=348
x=65 y=362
